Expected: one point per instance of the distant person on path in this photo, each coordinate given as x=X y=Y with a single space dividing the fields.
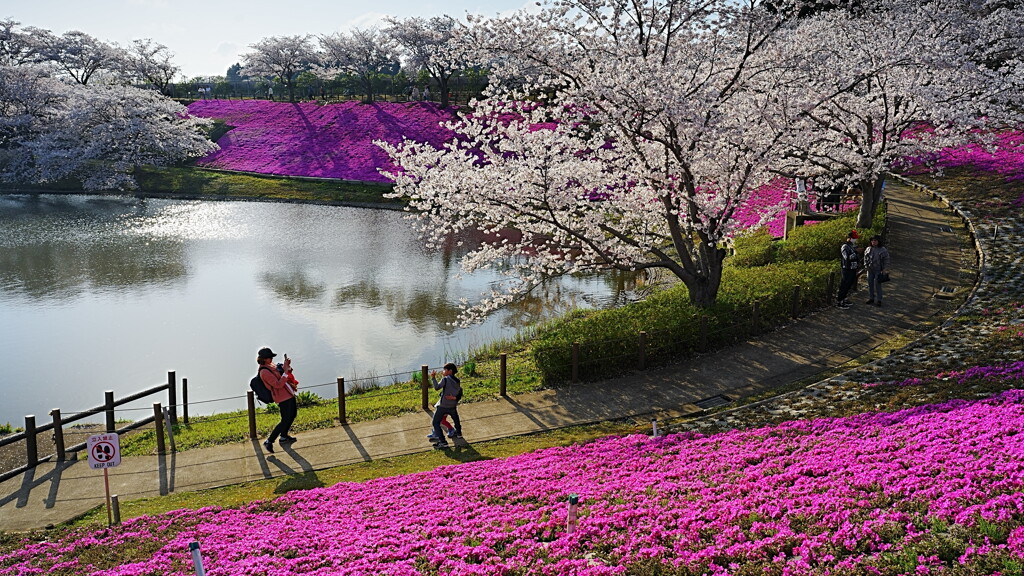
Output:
x=280 y=381
x=270 y=93
x=876 y=262
x=426 y=93
x=451 y=390
x=849 y=263
x=415 y=94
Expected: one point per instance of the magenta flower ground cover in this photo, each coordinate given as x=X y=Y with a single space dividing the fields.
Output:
x=336 y=141
x=1006 y=158
x=1012 y=371
x=307 y=139
x=937 y=489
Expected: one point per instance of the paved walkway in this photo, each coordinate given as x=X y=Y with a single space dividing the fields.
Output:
x=925 y=258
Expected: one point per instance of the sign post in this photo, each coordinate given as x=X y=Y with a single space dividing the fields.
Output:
x=104 y=452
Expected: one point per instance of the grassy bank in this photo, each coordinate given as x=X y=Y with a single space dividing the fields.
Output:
x=194 y=182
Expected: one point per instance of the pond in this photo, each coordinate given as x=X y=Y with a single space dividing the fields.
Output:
x=112 y=292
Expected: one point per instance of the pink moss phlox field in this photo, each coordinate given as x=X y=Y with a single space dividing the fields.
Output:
x=824 y=496
x=1005 y=156
x=1010 y=371
x=336 y=141
x=308 y=139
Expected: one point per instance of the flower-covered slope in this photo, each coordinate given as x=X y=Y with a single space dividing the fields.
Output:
x=307 y=139
x=336 y=141
x=920 y=491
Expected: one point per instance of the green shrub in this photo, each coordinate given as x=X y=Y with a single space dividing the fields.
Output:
x=307 y=398
x=763 y=271
x=821 y=241
x=608 y=339
x=754 y=249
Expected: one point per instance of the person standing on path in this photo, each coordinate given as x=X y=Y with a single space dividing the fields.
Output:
x=876 y=262
x=849 y=263
x=451 y=390
x=278 y=380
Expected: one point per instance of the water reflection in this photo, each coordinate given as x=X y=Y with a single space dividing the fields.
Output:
x=293 y=286
x=153 y=285
x=55 y=249
x=422 y=309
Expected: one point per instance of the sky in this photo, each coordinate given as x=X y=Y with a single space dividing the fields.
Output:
x=209 y=36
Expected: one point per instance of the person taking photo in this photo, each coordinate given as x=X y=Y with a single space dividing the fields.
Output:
x=282 y=385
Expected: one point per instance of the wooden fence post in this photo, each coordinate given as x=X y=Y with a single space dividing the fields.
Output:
x=115 y=507
x=58 y=435
x=755 y=318
x=796 y=301
x=108 y=401
x=31 y=448
x=158 y=421
x=250 y=401
x=641 y=346
x=172 y=396
x=184 y=400
x=830 y=288
x=503 y=378
x=423 y=386
x=341 y=401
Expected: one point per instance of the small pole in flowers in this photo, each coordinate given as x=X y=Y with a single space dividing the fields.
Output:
x=197 y=558
x=654 y=427
x=570 y=523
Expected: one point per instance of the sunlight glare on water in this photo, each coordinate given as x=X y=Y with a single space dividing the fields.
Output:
x=112 y=292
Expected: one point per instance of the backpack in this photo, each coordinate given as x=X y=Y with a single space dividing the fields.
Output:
x=260 y=389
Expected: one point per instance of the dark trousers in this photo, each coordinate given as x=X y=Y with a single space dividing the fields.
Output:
x=847 y=282
x=289 y=409
x=439 y=413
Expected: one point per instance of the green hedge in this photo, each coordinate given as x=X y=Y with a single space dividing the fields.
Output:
x=817 y=242
x=754 y=249
x=608 y=339
x=762 y=271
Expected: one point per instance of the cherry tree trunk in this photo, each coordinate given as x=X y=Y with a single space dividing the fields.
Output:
x=871 y=197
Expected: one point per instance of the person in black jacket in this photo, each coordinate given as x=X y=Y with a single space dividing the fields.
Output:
x=849 y=263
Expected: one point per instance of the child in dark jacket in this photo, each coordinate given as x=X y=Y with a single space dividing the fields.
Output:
x=447 y=405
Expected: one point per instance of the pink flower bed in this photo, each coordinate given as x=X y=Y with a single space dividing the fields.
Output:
x=859 y=495
x=1007 y=158
x=306 y=139
x=1011 y=371
x=336 y=141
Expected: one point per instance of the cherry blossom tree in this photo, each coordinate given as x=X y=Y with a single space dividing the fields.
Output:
x=30 y=100
x=637 y=137
x=364 y=53
x=75 y=54
x=282 y=57
x=18 y=46
x=433 y=45
x=97 y=134
x=891 y=80
x=150 y=62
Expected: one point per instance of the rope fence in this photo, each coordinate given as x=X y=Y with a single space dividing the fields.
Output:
x=587 y=361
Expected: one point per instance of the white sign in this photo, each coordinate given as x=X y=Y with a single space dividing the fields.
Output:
x=104 y=450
